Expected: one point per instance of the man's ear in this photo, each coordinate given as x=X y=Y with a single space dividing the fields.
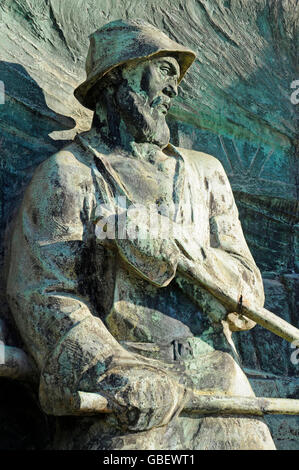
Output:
x=107 y=86
x=115 y=76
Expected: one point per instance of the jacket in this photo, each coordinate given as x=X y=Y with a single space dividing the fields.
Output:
x=80 y=302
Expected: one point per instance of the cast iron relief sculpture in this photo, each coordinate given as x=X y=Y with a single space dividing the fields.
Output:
x=128 y=263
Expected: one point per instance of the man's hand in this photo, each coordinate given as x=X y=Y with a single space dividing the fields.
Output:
x=238 y=322
x=141 y=398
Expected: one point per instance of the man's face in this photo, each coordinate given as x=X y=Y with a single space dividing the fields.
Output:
x=160 y=81
x=144 y=98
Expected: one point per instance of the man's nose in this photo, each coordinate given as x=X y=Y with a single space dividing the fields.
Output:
x=171 y=90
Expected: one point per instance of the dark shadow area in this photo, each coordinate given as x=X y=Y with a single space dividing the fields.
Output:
x=25 y=124
x=23 y=425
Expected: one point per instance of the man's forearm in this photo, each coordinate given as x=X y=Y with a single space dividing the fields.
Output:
x=223 y=279
x=158 y=256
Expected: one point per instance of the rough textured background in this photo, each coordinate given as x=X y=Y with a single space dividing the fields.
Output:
x=234 y=103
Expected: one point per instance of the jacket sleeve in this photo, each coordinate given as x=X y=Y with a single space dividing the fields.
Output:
x=56 y=323
x=228 y=246
x=225 y=266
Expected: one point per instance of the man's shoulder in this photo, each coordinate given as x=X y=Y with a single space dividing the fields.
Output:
x=69 y=163
x=203 y=160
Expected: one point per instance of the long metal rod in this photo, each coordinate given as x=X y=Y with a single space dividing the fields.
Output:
x=205 y=404
x=260 y=315
x=272 y=322
x=198 y=403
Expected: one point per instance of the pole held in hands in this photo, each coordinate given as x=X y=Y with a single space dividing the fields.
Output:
x=201 y=402
x=260 y=315
x=271 y=322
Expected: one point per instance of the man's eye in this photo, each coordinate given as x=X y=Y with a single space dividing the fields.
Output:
x=165 y=70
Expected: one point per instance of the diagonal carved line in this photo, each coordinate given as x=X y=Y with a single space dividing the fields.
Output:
x=253 y=160
x=226 y=154
x=265 y=161
x=241 y=166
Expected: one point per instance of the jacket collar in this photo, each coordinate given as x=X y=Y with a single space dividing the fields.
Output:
x=92 y=144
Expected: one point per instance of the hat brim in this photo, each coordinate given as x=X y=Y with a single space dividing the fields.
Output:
x=83 y=92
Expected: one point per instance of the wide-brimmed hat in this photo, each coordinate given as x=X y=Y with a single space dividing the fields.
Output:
x=121 y=41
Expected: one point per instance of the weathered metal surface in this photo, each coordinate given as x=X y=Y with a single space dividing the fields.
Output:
x=242 y=106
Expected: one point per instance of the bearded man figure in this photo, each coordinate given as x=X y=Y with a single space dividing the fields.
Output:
x=139 y=320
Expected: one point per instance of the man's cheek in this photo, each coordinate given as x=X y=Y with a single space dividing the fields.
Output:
x=150 y=84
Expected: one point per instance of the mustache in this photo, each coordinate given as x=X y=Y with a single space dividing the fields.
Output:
x=134 y=105
x=161 y=101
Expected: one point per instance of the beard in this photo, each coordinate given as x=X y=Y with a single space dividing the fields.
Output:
x=145 y=122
